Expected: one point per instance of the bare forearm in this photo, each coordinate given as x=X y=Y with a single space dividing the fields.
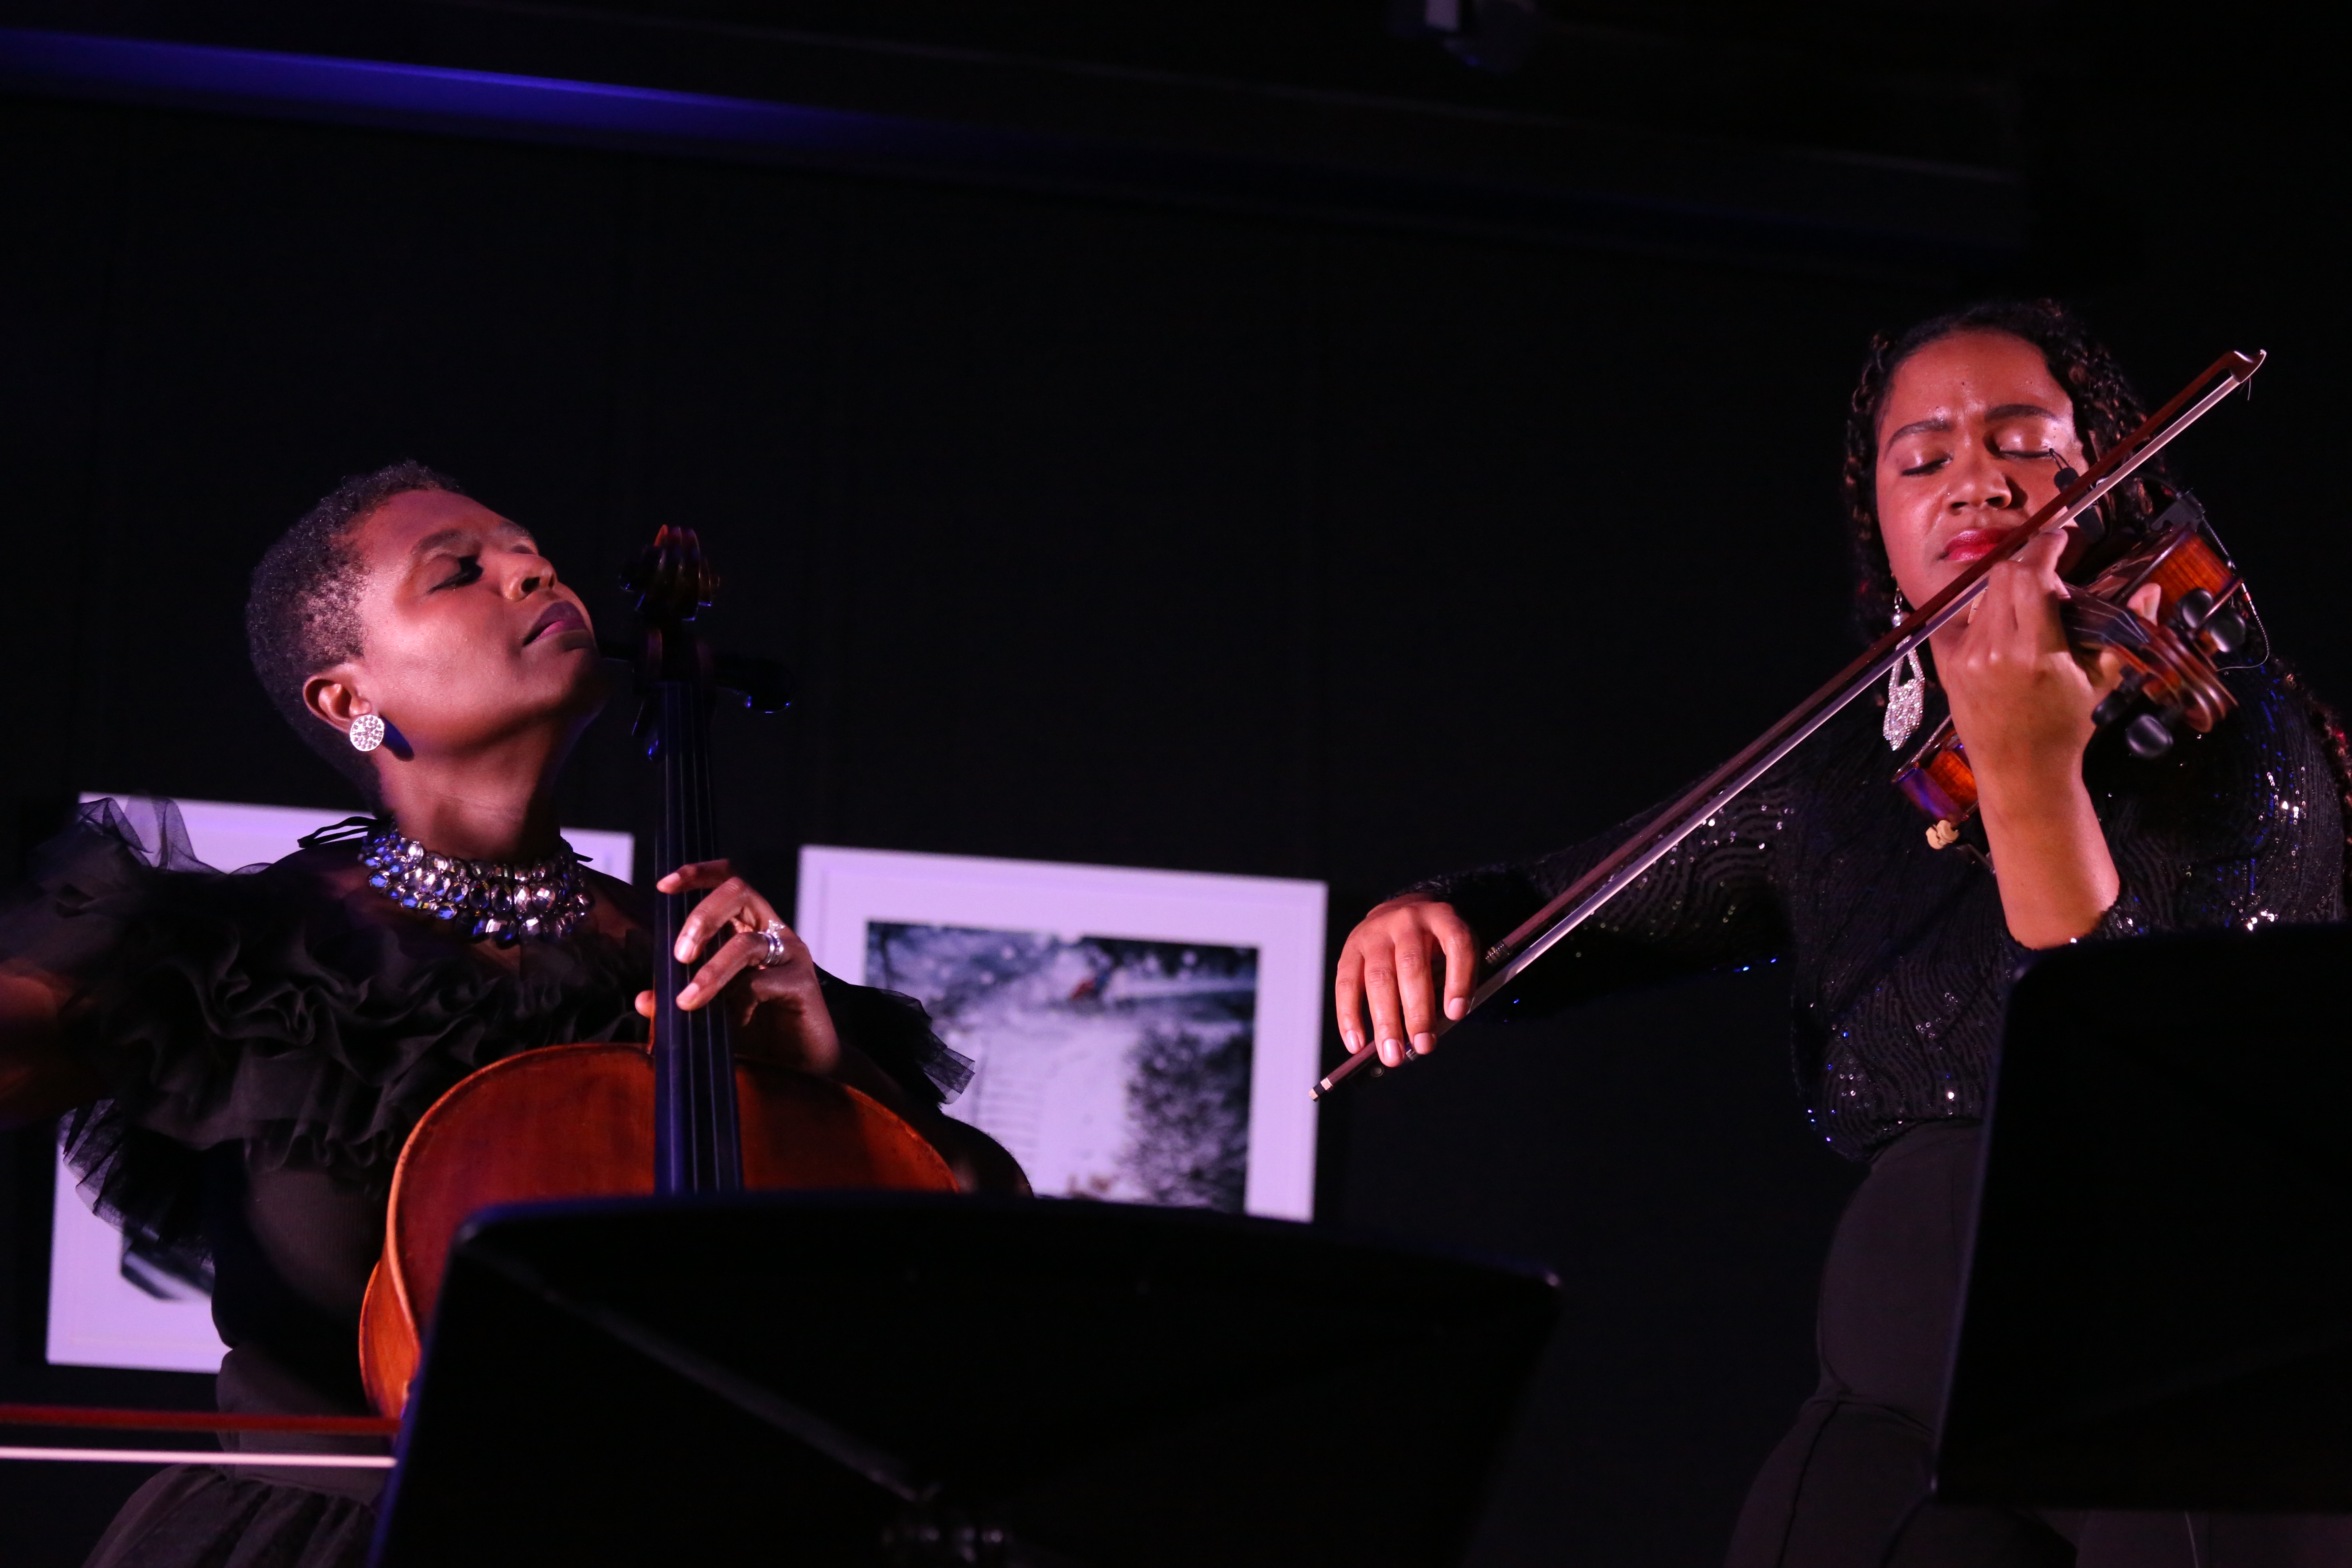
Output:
x=2057 y=877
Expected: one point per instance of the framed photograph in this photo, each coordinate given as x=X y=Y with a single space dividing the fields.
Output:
x=1136 y=1035
x=111 y=1304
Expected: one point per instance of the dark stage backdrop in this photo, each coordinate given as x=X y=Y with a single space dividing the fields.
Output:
x=1096 y=533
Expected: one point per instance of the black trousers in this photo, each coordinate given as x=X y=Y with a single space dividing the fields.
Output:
x=1846 y=1488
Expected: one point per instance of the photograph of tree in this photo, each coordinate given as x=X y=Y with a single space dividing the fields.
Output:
x=1111 y=1068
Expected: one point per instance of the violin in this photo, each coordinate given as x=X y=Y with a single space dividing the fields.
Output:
x=2171 y=677
x=2172 y=670
x=677 y=1116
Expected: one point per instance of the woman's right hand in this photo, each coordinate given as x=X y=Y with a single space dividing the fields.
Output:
x=1389 y=962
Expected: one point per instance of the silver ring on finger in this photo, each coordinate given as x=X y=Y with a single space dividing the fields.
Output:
x=773 y=935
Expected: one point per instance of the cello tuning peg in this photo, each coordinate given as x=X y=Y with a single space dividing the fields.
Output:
x=2148 y=737
x=765 y=684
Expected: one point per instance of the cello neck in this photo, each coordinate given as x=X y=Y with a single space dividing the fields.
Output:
x=695 y=1144
x=695 y=1147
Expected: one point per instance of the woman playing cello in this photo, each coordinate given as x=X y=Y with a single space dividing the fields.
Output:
x=239 y=1059
x=1902 y=951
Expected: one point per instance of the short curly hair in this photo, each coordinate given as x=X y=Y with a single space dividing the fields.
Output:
x=2107 y=409
x=302 y=615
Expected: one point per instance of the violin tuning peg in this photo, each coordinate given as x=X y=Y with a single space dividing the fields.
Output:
x=2118 y=702
x=2194 y=606
x=2224 y=631
x=2148 y=737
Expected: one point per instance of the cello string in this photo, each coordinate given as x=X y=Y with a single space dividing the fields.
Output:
x=725 y=1111
x=695 y=845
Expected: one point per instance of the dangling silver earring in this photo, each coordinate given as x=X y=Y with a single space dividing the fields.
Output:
x=1905 y=699
x=367 y=730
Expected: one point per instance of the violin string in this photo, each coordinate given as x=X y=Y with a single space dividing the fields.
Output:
x=1657 y=838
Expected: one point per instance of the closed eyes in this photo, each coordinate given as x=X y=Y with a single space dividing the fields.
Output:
x=2041 y=455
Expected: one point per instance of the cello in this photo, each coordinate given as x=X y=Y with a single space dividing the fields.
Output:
x=679 y=1115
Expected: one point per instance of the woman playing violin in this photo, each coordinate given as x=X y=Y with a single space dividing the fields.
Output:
x=239 y=1058
x=1901 y=953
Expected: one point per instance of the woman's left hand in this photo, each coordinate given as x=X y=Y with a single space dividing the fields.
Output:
x=777 y=1007
x=2021 y=697
x=2021 y=700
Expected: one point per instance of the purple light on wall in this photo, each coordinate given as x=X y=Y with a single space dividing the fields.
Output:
x=411 y=97
x=1731 y=201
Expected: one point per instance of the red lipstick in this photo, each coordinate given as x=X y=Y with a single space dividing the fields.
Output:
x=1975 y=544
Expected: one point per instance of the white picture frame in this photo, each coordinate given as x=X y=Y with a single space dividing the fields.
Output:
x=98 y=1317
x=844 y=891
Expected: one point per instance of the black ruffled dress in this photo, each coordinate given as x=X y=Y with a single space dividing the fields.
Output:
x=267 y=1039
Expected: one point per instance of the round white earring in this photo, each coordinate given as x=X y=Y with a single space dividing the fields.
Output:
x=367 y=732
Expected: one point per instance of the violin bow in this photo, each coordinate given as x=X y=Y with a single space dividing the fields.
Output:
x=85 y=1416
x=1655 y=838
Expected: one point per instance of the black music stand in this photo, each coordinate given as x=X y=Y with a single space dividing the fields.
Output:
x=870 y=1379
x=2159 y=1308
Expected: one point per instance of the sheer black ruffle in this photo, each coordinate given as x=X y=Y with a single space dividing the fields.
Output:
x=895 y=1029
x=263 y=1006
x=259 y=1006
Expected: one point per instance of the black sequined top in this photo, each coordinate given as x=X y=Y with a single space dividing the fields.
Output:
x=1901 y=961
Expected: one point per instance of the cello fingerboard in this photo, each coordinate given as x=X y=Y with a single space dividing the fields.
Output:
x=697 y=1147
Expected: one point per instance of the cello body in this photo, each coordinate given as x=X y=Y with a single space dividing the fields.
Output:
x=574 y=1121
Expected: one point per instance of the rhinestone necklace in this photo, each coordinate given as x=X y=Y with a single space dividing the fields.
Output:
x=497 y=899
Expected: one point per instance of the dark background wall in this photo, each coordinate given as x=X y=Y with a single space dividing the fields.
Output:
x=1106 y=529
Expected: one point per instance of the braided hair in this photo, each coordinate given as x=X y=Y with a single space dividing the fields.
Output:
x=2107 y=409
